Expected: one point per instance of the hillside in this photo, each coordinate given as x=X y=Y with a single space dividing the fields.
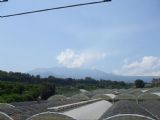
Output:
x=63 y=72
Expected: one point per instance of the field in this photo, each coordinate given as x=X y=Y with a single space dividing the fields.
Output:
x=110 y=104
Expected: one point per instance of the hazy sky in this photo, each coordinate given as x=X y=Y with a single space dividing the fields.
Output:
x=122 y=36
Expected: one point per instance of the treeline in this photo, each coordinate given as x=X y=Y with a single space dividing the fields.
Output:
x=16 y=92
x=79 y=83
x=156 y=82
x=16 y=86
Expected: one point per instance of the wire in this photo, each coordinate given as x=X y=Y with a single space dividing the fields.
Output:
x=3 y=0
x=55 y=8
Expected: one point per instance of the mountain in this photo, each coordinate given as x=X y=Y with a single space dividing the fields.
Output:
x=69 y=72
x=78 y=73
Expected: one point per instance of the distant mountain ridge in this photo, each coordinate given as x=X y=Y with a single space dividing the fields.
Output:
x=77 y=73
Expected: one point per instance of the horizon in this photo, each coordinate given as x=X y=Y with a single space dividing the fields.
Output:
x=35 y=71
x=112 y=37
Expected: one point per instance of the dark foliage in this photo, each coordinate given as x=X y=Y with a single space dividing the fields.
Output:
x=156 y=82
x=139 y=84
x=47 y=90
x=80 y=83
x=16 y=86
x=17 y=92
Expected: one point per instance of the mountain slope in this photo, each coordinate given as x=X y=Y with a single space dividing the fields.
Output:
x=82 y=73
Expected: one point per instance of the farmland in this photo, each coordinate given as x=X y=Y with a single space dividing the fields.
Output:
x=100 y=104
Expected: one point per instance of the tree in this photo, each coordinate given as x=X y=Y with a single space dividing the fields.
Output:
x=139 y=83
x=47 y=90
x=156 y=82
x=18 y=88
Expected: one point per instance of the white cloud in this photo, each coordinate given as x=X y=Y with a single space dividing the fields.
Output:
x=71 y=59
x=146 y=66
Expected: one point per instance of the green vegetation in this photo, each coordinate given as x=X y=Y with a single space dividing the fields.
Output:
x=87 y=83
x=139 y=84
x=16 y=86
x=16 y=92
x=156 y=82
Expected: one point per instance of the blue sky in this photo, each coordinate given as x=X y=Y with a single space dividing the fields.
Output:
x=120 y=36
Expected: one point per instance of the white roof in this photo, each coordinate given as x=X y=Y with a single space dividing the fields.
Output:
x=111 y=95
x=144 y=91
x=156 y=93
x=83 y=90
x=89 y=112
x=68 y=105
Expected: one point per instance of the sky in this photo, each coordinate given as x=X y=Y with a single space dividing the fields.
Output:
x=120 y=37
